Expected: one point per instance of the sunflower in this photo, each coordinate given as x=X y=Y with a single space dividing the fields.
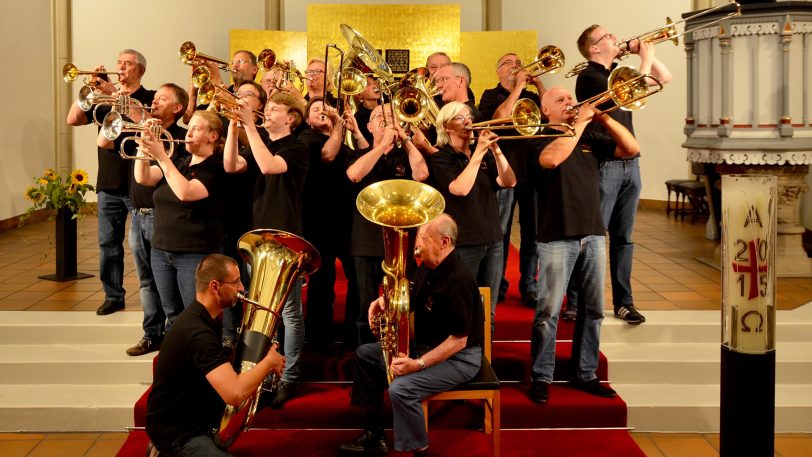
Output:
x=33 y=194
x=50 y=175
x=72 y=188
x=42 y=181
x=79 y=177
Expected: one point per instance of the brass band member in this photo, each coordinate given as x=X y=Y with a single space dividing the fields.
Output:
x=448 y=324
x=243 y=68
x=470 y=180
x=113 y=179
x=498 y=103
x=368 y=99
x=385 y=160
x=193 y=378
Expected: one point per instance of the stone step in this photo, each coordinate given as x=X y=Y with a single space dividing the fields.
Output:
x=75 y=327
x=695 y=407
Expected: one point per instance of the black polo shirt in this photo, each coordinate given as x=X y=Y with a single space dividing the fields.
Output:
x=446 y=302
x=141 y=196
x=195 y=226
x=327 y=199
x=593 y=81
x=476 y=213
x=182 y=403
x=278 y=198
x=519 y=156
x=367 y=237
x=114 y=171
x=569 y=195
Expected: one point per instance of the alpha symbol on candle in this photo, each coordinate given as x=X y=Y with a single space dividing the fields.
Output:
x=753 y=216
x=752 y=268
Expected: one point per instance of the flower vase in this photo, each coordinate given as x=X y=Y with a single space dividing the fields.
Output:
x=65 y=248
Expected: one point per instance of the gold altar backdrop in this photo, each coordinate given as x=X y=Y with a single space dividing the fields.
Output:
x=481 y=50
x=286 y=45
x=420 y=29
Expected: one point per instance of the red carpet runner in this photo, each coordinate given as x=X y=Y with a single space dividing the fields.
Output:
x=316 y=421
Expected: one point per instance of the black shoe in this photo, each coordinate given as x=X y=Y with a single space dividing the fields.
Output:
x=368 y=442
x=109 y=307
x=594 y=387
x=422 y=453
x=531 y=299
x=145 y=346
x=629 y=314
x=569 y=314
x=284 y=391
x=540 y=392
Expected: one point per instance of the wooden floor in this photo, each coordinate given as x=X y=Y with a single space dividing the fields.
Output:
x=666 y=276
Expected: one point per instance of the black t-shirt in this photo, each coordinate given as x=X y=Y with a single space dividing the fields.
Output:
x=569 y=195
x=327 y=199
x=362 y=119
x=476 y=213
x=114 y=171
x=278 y=198
x=593 y=81
x=446 y=302
x=367 y=237
x=194 y=226
x=182 y=403
x=141 y=196
x=516 y=151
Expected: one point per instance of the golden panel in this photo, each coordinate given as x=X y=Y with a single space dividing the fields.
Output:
x=287 y=45
x=481 y=50
x=422 y=29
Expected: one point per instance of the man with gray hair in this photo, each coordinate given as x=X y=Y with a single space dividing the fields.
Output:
x=112 y=183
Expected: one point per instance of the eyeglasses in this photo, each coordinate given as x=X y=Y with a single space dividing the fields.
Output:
x=510 y=63
x=314 y=72
x=239 y=62
x=246 y=94
x=462 y=118
x=444 y=79
x=233 y=283
x=608 y=35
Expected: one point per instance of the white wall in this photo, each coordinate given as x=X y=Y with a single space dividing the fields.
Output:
x=156 y=28
x=659 y=126
x=27 y=117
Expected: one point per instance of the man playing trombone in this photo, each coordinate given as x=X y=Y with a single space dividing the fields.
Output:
x=620 y=177
x=112 y=184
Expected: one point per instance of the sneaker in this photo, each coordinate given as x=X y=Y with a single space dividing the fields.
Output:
x=540 y=392
x=110 y=307
x=569 y=314
x=369 y=442
x=629 y=314
x=145 y=346
x=594 y=387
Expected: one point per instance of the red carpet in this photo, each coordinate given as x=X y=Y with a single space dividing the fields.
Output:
x=318 y=419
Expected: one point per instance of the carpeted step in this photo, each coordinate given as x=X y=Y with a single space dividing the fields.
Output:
x=515 y=443
x=511 y=361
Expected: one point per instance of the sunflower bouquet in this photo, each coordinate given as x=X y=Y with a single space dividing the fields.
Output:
x=52 y=191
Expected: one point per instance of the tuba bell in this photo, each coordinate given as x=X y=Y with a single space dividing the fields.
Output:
x=400 y=206
x=277 y=259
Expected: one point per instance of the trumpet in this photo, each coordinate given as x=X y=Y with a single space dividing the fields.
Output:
x=188 y=55
x=549 y=59
x=114 y=125
x=266 y=59
x=663 y=34
x=287 y=72
x=123 y=104
x=70 y=73
x=525 y=119
x=225 y=103
x=628 y=89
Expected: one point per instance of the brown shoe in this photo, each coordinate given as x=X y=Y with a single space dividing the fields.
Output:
x=109 y=307
x=145 y=346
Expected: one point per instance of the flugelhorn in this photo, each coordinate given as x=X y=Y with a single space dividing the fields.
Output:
x=114 y=125
x=627 y=88
x=121 y=103
x=549 y=59
x=266 y=59
x=525 y=119
x=70 y=73
x=225 y=102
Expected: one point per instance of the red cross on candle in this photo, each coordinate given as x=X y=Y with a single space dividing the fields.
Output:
x=753 y=268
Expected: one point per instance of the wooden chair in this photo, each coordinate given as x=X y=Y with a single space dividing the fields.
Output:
x=484 y=386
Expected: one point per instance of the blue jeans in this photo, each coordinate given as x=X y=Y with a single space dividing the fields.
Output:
x=140 y=239
x=200 y=446
x=485 y=261
x=583 y=262
x=368 y=275
x=175 y=277
x=525 y=195
x=620 y=193
x=113 y=209
x=291 y=333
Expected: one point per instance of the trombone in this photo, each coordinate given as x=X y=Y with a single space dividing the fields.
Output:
x=549 y=59
x=70 y=73
x=628 y=89
x=114 y=125
x=224 y=103
x=525 y=119
x=665 y=33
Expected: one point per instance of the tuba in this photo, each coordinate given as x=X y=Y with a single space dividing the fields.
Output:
x=277 y=259
x=399 y=206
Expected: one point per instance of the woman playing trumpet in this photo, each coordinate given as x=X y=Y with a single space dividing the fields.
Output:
x=469 y=181
x=188 y=207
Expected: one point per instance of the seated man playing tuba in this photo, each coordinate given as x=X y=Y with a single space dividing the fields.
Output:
x=448 y=337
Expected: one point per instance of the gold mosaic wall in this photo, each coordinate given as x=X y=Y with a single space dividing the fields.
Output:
x=287 y=45
x=481 y=50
